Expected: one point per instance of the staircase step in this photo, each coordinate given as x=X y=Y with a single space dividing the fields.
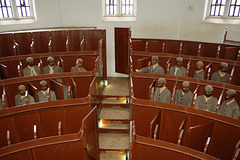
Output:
x=112 y=155
x=114 y=100
x=123 y=105
x=113 y=141
x=115 y=125
x=114 y=113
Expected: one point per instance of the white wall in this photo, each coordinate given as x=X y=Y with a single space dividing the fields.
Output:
x=166 y=19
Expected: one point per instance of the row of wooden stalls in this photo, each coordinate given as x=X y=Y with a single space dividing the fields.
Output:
x=61 y=129
x=169 y=131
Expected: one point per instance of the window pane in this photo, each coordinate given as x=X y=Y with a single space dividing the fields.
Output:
x=10 y=12
x=231 y=11
x=8 y=3
x=236 y=11
x=217 y=10
x=221 y=11
x=233 y=1
x=217 y=7
x=238 y=2
x=234 y=8
x=5 y=8
x=22 y=6
x=111 y=6
x=127 y=6
x=213 y=1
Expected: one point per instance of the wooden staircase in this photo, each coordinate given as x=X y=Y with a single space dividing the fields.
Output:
x=114 y=118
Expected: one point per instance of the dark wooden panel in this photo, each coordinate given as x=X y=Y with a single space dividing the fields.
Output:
x=82 y=86
x=224 y=140
x=25 y=124
x=209 y=50
x=12 y=68
x=22 y=155
x=70 y=151
x=24 y=41
x=41 y=40
x=141 y=85
x=6 y=47
x=75 y=115
x=74 y=38
x=7 y=124
x=138 y=45
x=155 y=46
x=169 y=126
x=143 y=124
x=59 y=39
x=49 y=121
x=190 y=48
x=173 y=47
x=122 y=36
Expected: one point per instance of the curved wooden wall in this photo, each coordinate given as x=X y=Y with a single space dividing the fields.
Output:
x=52 y=41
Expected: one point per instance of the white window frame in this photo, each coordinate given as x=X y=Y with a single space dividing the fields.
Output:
x=119 y=16
x=224 y=19
x=19 y=20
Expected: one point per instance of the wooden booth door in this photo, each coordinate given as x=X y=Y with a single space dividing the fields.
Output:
x=122 y=36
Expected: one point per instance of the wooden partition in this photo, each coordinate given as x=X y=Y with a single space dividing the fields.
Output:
x=9 y=65
x=148 y=148
x=68 y=146
x=145 y=80
x=53 y=41
x=181 y=47
x=20 y=121
x=197 y=125
x=211 y=65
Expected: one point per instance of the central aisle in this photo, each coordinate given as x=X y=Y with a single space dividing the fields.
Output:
x=114 y=118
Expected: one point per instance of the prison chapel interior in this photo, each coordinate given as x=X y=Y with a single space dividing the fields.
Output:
x=109 y=113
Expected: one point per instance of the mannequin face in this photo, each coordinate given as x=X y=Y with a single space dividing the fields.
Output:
x=44 y=87
x=30 y=63
x=50 y=62
x=161 y=84
x=229 y=97
x=223 y=68
x=179 y=63
x=185 y=88
x=199 y=67
x=79 y=64
x=22 y=91
x=154 y=61
x=207 y=93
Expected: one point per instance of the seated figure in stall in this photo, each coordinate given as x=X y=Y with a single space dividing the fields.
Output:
x=162 y=94
x=31 y=69
x=51 y=68
x=65 y=88
x=178 y=69
x=207 y=101
x=1 y=106
x=230 y=106
x=42 y=95
x=199 y=72
x=20 y=98
x=79 y=66
x=155 y=68
x=221 y=75
x=184 y=96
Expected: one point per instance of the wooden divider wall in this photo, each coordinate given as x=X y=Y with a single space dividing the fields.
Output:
x=198 y=125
